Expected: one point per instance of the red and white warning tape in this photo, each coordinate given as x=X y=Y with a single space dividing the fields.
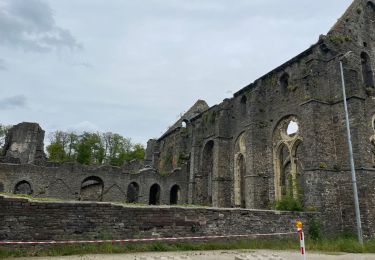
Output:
x=136 y=239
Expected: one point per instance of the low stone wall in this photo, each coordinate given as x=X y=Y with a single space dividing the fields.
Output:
x=27 y=220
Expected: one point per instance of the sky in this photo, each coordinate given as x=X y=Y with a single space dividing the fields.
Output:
x=133 y=66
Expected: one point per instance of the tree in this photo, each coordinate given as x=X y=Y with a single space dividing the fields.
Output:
x=93 y=148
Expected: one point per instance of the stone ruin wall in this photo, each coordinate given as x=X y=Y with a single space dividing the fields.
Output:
x=239 y=154
x=89 y=221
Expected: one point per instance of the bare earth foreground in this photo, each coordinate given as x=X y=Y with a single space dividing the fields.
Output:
x=215 y=255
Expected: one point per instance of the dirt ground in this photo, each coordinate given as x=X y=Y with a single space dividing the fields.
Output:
x=215 y=255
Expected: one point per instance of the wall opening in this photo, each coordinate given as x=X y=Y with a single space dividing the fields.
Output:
x=285 y=172
x=1 y=187
x=23 y=187
x=292 y=128
x=287 y=166
x=175 y=195
x=284 y=82
x=92 y=189
x=243 y=104
x=367 y=74
x=205 y=190
x=184 y=124
x=239 y=189
x=154 y=198
x=371 y=5
x=132 y=193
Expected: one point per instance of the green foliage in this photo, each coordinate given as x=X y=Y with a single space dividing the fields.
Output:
x=315 y=229
x=322 y=165
x=271 y=80
x=289 y=203
x=338 y=39
x=93 y=148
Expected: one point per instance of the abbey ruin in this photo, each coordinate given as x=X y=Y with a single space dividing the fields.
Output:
x=282 y=135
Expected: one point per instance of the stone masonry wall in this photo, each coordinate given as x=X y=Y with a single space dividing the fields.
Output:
x=22 y=219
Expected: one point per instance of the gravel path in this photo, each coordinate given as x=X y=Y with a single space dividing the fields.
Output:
x=214 y=255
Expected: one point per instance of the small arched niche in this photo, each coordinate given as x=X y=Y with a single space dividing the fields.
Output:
x=132 y=193
x=175 y=195
x=23 y=187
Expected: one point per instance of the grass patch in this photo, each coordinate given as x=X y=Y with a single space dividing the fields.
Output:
x=26 y=196
x=340 y=244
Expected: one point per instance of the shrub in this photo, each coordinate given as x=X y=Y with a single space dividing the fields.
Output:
x=289 y=204
x=315 y=230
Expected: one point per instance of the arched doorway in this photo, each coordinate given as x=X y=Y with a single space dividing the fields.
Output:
x=23 y=187
x=154 y=198
x=239 y=178
x=132 y=193
x=175 y=195
x=92 y=189
x=205 y=187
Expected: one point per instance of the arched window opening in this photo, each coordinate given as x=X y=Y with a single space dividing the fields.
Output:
x=240 y=185
x=285 y=172
x=92 y=189
x=205 y=187
x=132 y=193
x=367 y=74
x=175 y=195
x=23 y=187
x=243 y=104
x=287 y=164
x=284 y=82
x=154 y=198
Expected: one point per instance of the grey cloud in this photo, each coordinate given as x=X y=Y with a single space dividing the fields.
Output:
x=30 y=25
x=18 y=101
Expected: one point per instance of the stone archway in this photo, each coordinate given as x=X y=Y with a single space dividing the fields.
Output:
x=132 y=193
x=175 y=195
x=154 y=198
x=92 y=189
x=240 y=195
x=239 y=178
x=23 y=187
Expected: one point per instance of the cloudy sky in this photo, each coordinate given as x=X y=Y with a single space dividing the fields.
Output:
x=132 y=66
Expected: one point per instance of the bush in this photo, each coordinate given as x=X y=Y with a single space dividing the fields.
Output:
x=314 y=230
x=289 y=204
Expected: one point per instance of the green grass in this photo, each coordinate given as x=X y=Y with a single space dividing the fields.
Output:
x=341 y=244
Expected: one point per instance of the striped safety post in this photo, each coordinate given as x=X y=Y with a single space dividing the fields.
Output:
x=301 y=236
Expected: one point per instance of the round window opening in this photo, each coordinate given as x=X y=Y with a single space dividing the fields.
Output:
x=292 y=128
